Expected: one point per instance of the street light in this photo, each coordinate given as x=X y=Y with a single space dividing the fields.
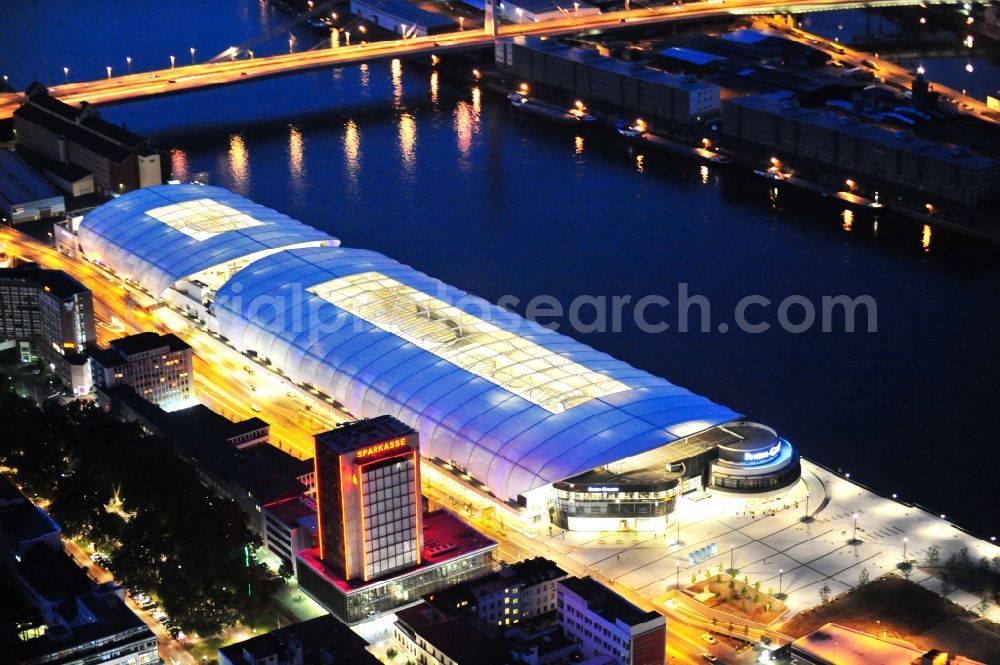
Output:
x=905 y=541
x=128 y=62
x=461 y=23
x=781 y=575
x=109 y=71
x=172 y=62
x=192 y=55
x=805 y=513
x=854 y=537
x=677 y=579
x=732 y=569
x=65 y=74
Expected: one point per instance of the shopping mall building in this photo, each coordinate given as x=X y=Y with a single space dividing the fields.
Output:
x=551 y=428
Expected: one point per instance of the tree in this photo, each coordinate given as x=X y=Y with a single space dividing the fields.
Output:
x=824 y=593
x=391 y=653
x=863 y=576
x=756 y=585
x=694 y=578
x=732 y=583
x=285 y=571
x=933 y=555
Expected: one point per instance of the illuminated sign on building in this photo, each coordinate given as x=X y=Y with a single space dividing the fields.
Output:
x=762 y=455
x=379 y=449
x=602 y=490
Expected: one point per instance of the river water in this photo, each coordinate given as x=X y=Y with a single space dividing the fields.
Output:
x=441 y=176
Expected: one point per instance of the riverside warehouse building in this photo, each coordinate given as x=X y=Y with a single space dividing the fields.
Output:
x=554 y=431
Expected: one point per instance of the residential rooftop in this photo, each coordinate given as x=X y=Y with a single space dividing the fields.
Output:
x=324 y=639
x=56 y=282
x=461 y=640
x=606 y=603
x=148 y=341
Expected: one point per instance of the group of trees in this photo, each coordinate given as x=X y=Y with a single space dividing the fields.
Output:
x=961 y=571
x=111 y=484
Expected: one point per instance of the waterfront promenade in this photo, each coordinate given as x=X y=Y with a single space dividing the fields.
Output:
x=810 y=553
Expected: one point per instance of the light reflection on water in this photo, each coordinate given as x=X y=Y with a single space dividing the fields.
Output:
x=239 y=163
x=179 y=164
x=352 y=156
x=407 y=143
x=396 y=68
x=847 y=217
x=296 y=162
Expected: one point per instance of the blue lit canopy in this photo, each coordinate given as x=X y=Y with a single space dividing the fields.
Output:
x=160 y=235
x=515 y=404
x=382 y=338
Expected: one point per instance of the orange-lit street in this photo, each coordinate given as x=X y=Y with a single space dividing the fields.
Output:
x=222 y=379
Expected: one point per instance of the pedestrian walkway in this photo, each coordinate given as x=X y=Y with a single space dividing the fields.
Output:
x=795 y=545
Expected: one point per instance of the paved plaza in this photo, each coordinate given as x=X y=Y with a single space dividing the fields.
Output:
x=774 y=546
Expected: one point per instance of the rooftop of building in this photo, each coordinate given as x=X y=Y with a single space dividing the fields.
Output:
x=321 y=634
x=355 y=435
x=148 y=341
x=840 y=644
x=293 y=511
x=58 y=579
x=459 y=598
x=25 y=522
x=690 y=55
x=542 y=635
x=439 y=526
x=267 y=473
x=408 y=12
x=82 y=125
x=19 y=183
x=837 y=121
x=606 y=603
x=592 y=58
x=200 y=418
x=461 y=639
x=56 y=282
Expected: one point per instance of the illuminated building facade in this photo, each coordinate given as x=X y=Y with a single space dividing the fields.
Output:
x=368 y=483
x=157 y=367
x=48 y=315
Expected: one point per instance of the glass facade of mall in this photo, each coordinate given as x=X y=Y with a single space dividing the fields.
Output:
x=626 y=505
x=760 y=483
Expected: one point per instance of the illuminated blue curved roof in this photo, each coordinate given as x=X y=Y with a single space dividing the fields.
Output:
x=383 y=338
x=159 y=235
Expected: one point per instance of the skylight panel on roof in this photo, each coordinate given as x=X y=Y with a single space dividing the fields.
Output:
x=529 y=370
x=202 y=218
